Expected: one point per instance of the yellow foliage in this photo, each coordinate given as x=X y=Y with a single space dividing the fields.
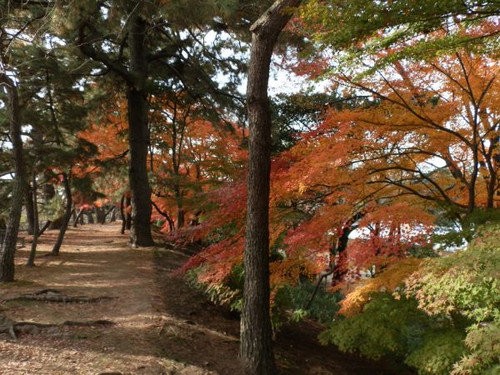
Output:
x=387 y=281
x=289 y=270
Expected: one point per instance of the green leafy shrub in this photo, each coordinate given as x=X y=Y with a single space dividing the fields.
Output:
x=389 y=326
x=290 y=303
x=438 y=352
x=220 y=293
x=378 y=329
x=483 y=342
x=446 y=320
x=466 y=284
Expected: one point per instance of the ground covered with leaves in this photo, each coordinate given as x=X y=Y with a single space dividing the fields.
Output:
x=101 y=307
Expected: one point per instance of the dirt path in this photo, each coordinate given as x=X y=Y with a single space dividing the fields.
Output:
x=161 y=325
x=94 y=261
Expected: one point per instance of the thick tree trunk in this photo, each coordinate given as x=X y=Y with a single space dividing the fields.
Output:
x=140 y=234
x=256 y=330
x=135 y=75
x=8 y=247
x=67 y=215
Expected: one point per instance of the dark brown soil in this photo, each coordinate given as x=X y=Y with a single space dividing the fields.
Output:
x=207 y=336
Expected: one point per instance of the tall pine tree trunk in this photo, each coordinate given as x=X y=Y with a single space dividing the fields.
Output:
x=8 y=247
x=256 y=331
x=67 y=215
x=28 y=204
x=140 y=234
x=36 y=224
x=135 y=74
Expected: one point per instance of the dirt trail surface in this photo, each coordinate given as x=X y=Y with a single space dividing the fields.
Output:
x=160 y=325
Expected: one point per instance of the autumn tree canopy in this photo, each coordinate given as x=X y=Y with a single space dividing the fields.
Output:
x=345 y=199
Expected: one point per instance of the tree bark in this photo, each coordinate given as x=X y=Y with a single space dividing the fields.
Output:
x=78 y=217
x=67 y=215
x=338 y=252
x=180 y=217
x=125 y=203
x=44 y=228
x=170 y=221
x=36 y=224
x=122 y=213
x=140 y=235
x=100 y=213
x=135 y=76
x=8 y=248
x=256 y=330
x=29 y=205
x=90 y=216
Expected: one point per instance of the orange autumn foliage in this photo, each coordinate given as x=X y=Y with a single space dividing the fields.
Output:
x=358 y=294
x=424 y=141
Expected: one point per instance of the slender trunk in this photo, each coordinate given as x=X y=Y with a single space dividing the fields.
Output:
x=29 y=205
x=112 y=219
x=90 y=216
x=100 y=215
x=180 y=206
x=128 y=213
x=170 y=221
x=140 y=234
x=180 y=218
x=491 y=188
x=77 y=217
x=48 y=190
x=256 y=330
x=107 y=211
x=44 y=228
x=493 y=165
x=37 y=139
x=67 y=215
x=8 y=247
x=338 y=251
x=473 y=179
x=122 y=213
x=125 y=203
x=36 y=225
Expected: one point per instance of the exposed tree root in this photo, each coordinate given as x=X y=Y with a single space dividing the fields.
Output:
x=13 y=328
x=53 y=295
